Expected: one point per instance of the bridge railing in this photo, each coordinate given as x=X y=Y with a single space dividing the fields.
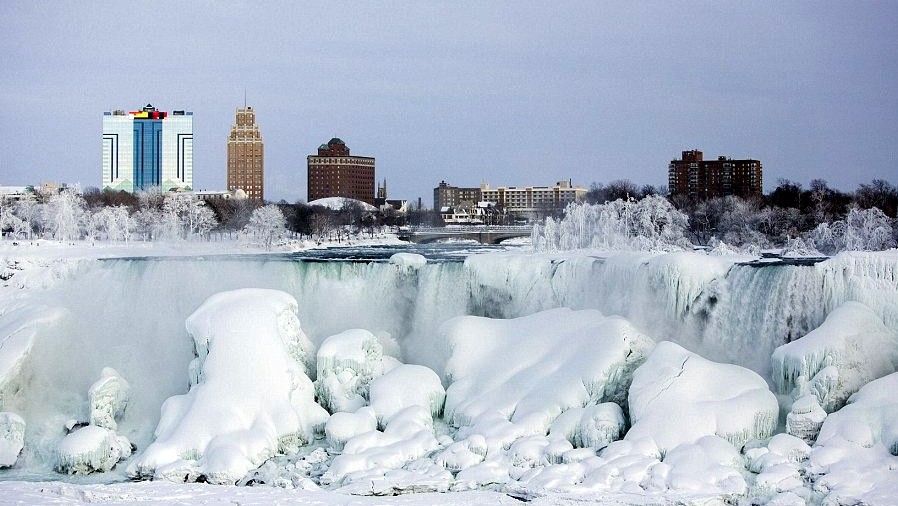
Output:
x=455 y=229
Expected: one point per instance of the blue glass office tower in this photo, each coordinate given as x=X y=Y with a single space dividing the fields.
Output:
x=147 y=148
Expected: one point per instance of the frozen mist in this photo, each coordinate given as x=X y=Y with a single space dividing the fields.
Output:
x=130 y=314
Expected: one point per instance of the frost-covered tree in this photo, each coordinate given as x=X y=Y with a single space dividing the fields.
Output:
x=65 y=215
x=112 y=223
x=266 y=226
x=192 y=216
x=861 y=230
x=649 y=224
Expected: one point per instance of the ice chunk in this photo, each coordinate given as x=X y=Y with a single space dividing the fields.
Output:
x=851 y=348
x=404 y=386
x=710 y=462
x=91 y=449
x=590 y=427
x=12 y=438
x=108 y=398
x=253 y=399
x=347 y=362
x=678 y=397
x=531 y=369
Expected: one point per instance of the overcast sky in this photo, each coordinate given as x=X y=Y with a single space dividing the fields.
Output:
x=510 y=93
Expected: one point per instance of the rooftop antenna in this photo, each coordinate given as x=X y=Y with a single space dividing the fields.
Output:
x=244 y=97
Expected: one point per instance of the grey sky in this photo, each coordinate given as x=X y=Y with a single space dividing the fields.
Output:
x=517 y=93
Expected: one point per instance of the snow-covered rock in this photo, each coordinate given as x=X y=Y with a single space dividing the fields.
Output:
x=347 y=362
x=343 y=426
x=91 y=449
x=408 y=261
x=850 y=349
x=855 y=458
x=253 y=399
x=12 y=438
x=590 y=427
x=404 y=386
x=805 y=418
x=679 y=397
x=531 y=369
x=108 y=398
x=373 y=455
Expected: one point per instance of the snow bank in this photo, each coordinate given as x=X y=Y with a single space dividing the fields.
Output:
x=108 y=398
x=347 y=362
x=343 y=426
x=590 y=427
x=12 y=438
x=851 y=348
x=91 y=449
x=404 y=386
x=678 y=397
x=338 y=203
x=529 y=370
x=253 y=398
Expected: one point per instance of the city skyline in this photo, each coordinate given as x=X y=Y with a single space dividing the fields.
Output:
x=468 y=93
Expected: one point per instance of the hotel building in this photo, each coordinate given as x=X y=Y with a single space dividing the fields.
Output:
x=334 y=173
x=246 y=159
x=147 y=148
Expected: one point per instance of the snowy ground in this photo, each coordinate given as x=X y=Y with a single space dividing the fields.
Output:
x=548 y=404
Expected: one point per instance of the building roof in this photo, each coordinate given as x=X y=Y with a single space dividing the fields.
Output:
x=335 y=140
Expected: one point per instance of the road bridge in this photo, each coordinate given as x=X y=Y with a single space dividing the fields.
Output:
x=485 y=234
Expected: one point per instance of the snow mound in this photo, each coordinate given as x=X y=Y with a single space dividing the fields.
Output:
x=91 y=449
x=404 y=386
x=678 y=397
x=342 y=426
x=253 y=398
x=851 y=348
x=408 y=261
x=374 y=456
x=529 y=370
x=108 y=398
x=805 y=418
x=12 y=438
x=338 y=203
x=856 y=454
x=347 y=362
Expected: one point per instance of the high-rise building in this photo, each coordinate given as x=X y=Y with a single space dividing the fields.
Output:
x=246 y=159
x=694 y=176
x=334 y=173
x=147 y=148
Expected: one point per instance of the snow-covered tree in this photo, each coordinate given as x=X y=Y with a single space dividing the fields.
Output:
x=112 y=223
x=861 y=230
x=191 y=214
x=649 y=224
x=65 y=214
x=266 y=226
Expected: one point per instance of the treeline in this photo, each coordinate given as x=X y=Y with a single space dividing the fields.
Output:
x=70 y=215
x=816 y=218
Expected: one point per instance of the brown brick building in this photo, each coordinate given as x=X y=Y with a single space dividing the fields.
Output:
x=246 y=156
x=694 y=176
x=334 y=173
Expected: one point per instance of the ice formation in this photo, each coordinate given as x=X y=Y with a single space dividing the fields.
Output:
x=108 y=398
x=406 y=385
x=12 y=438
x=253 y=399
x=343 y=426
x=805 y=418
x=347 y=362
x=550 y=362
x=91 y=449
x=679 y=397
x=850 y=349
